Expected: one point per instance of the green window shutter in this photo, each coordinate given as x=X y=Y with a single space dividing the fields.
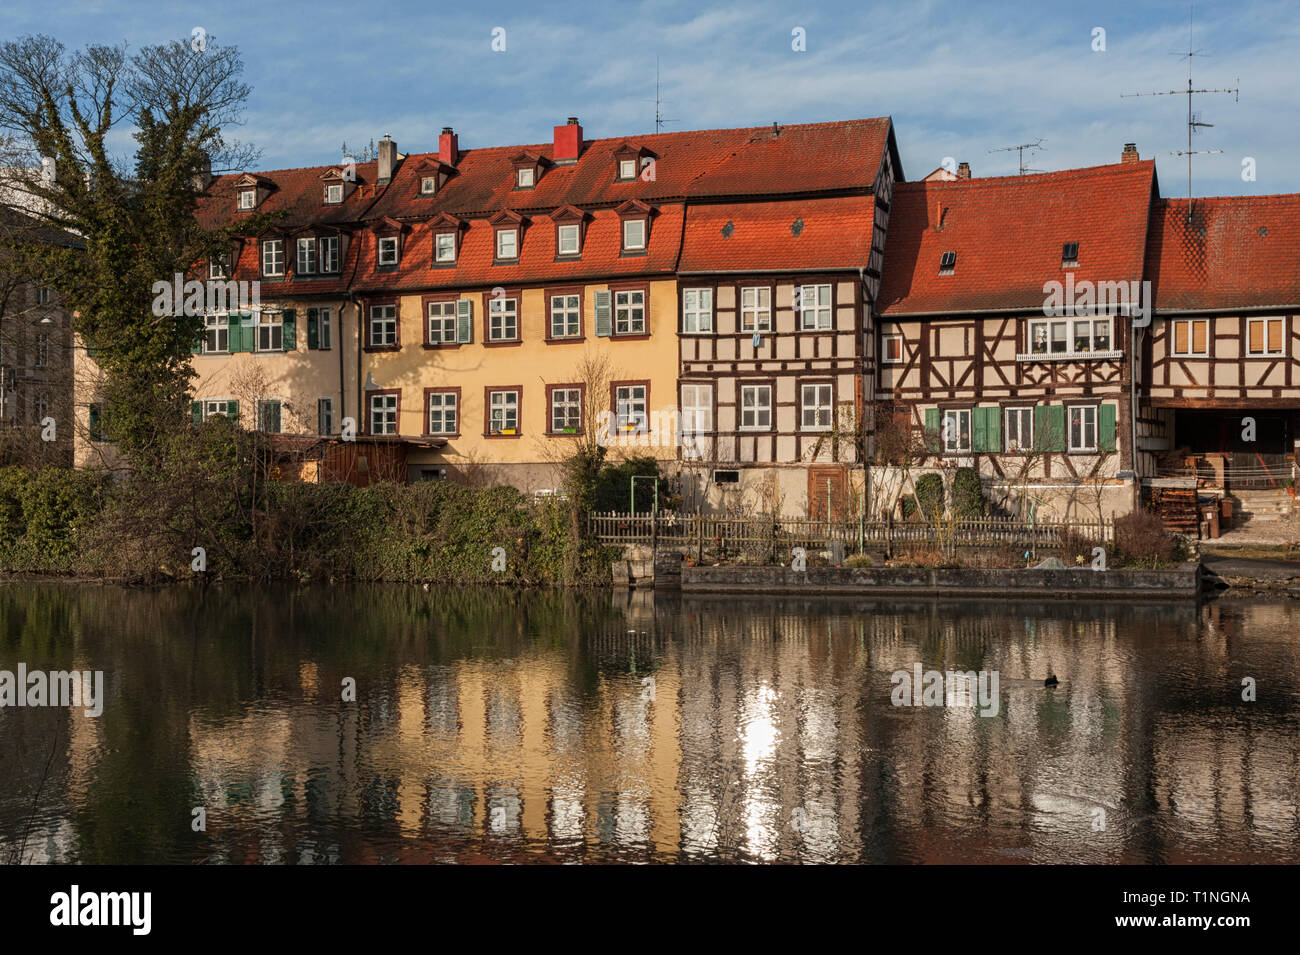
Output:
x=94 y=422
x=196 y=412
x=313 y=335
x=232 y=410
x=464 y=321
x=933 y=439
x=987 y=425
x=978 y=430
x=1106 y=427
x=241 y=332
x=604 y=313
x=1049 y=428
x=289 y=339
x=197 y=348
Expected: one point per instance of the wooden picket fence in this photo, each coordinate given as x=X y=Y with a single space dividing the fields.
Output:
x=672 y=529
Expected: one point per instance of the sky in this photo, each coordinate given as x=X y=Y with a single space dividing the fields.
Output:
x=959 y=79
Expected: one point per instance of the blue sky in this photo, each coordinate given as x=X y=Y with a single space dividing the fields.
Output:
x=958 y=78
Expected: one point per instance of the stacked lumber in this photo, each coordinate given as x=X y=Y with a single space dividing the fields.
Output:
x=1177 y=508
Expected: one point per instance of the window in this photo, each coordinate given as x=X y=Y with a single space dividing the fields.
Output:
x=428 y=185
x=383 y=326
x=524 y=179
x=324 y=329
x=217 y=406
x=629 y=312
x=1083 y=428
x=42 y=350
x=1019 y=427
x=755 y=407
x=697 y=416
x=892 y=349
x=503 y=412
x=816 y=407
x=567 y=240
x=1070 y=255
x=503 y=320
x=247 y=198
x=306 y=256
x=630 y=408
x=815 y=307
x=216 y=334
x=43 y=295
x=633 y=235
x=383 y=414
x=219 y=265
x=333 y=194
x=1264 y=336
x=627 y=169
x=324 y=415
x=268 y=416
x=445 y=247
x=270 y=332
x=443 y=409
x=95 y=422
x=41 y=407
x=566 y=410
x=697 y=311
x=947 y=263
x=1069 y=337
x=1191 y=336
x=756 y=310
x=442 y=323
x=273 y=257
x=507 y=244
x=388 y=252
x=329 y=253
x=566 y=316
x=956 y=430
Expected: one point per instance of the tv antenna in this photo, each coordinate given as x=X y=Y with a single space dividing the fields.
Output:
x=659 y=115
x=1019 y=149
x=1193 y=119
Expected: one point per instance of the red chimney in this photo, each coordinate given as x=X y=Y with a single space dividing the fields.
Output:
x=1130 y=153
x=447 y=150
x=568 y=142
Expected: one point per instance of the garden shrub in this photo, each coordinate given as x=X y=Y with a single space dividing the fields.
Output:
x=929 y=495
x=967 y=494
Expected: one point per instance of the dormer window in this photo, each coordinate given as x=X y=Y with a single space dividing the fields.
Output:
x=1070 y=255
x=569 y=221
x=626 y=169
x=629 y=160
x=634 y=216
x=566 y=240
x=306 y=264
x=428 y=185
x=444 y=249
x=247 y=198
x=219 y=265
x=528 y=169
x=334 y=194
x=947 y=263
x=507 y=244
x=524 y=178
x=634 y=235
x=388 y=252
x=508 y=236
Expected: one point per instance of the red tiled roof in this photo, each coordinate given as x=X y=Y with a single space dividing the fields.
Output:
x=794 y=234
x=1008 y=234
x=296 y=193
x=1236 y=252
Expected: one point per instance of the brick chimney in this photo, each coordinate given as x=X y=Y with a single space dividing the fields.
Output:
x=387 y=160
x=1130 y=153
x=568 y=143
x=963 y=170
x=447 y=150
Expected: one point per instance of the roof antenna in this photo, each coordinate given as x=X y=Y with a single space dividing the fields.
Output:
x=776 y=130
x=1193 y=119
x=659 y=116
x=1033 y=147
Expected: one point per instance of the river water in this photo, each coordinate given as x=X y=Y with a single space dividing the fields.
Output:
x=391 y=724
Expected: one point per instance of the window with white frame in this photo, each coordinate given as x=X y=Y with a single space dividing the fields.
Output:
x=956 y=430
x=268 y=416
x=324 y=328
x=216 y=334
x=503 y=412
x=333 y=194
x=1018 y=429
x=503 y=320
x=270 y=332
x=627 y=169
x=697 y=311
x=507 y=244
x=329 y=253
x=324 y=415
x=891 y=347
x=383 y=325
x=566 y=316
x=42 y=350
x=755 y=407
x=443 y=412
x=630 y=408
x=815 y=407
x=442 y=323
x=306 y=256
x=41 y=407
x=1264 y=336
x=567 y=240
x=815 y=307
x=43 y=294
x=633 y=235
x=524 y=178
x=1070 y=337
x=444 y=249
x=219 y=265
x=383 y=414
x=247 y=198
x=1083 y=428
x=388 y=251
x=428 y=185
x=697 y=414
x=1191 y=336
x=566 y=410
x=756 y=309
x=216 y=406
x=629 y=312
x=273 y=257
